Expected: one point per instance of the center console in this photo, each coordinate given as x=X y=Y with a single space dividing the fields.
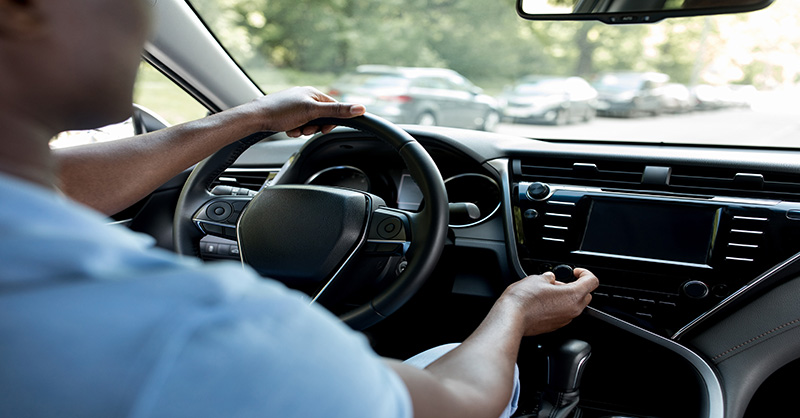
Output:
x=663 y=259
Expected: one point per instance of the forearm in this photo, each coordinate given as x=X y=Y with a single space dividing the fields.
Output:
x=475 y=379
x=110 y=176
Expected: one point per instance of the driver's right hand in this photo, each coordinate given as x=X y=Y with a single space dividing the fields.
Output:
x=545 y=304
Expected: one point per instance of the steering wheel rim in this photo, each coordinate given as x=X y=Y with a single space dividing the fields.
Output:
x=429 y=229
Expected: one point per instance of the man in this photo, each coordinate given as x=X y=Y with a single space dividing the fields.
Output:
x=95 y=322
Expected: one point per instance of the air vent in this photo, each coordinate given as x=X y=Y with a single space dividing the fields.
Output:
x=590 y=173
x=249 y=178
x=735 y=182
x=746 y=237
x=558 y=220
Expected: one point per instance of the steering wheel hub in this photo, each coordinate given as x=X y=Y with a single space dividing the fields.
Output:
x=302 y=234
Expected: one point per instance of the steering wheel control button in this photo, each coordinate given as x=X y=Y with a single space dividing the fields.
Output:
x=395 y=249
x=389 y=228
x=238 y=205
x=219 y=211
x=387 y=249
x=538 y=191
x=229 y=232
x=695 y=289
x=212 y=229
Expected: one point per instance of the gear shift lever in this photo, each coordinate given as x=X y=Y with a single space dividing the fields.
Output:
x=565 y=365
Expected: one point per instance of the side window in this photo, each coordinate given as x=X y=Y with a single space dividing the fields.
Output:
x=462 y=84
x=458 y=83
x=153 y=91
x=160 y=95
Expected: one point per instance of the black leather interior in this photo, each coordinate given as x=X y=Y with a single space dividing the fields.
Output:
x=752 y=343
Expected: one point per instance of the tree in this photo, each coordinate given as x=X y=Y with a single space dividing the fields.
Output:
x=482 y=40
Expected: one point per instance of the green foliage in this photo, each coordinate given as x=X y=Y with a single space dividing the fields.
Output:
x=484 y=40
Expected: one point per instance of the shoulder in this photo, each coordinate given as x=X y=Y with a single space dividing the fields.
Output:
x=275 y=354
x=155 y=335
x=196 y=340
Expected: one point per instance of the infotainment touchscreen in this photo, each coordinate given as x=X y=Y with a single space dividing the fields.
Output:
x=651 y=230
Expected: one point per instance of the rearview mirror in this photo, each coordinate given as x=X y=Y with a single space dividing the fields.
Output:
x=631 y=11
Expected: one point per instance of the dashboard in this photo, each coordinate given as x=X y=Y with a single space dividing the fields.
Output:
x=666 y=258
x=674 y=233
x=473 y=197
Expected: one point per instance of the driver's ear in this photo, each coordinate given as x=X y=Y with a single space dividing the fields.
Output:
x=21 y=19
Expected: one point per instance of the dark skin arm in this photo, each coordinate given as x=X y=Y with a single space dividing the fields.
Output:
x=110 y=176
x=476 y=378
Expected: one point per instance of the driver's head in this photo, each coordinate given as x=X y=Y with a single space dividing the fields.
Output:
x=70 y=64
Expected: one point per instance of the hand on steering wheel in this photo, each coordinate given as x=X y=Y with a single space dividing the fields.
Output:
x=315 y=237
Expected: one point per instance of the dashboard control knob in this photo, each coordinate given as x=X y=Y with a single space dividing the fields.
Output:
x=695 y=289
x=538 y=191
x=720 y=290
x=564 y=273
x=530 y=214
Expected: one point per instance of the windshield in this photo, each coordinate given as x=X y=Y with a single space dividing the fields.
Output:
x=721 y=80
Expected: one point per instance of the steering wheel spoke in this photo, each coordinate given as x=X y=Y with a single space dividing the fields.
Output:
x=219 y=216
x=389 y=232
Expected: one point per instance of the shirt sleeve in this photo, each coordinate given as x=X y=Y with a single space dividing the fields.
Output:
x=272 y=356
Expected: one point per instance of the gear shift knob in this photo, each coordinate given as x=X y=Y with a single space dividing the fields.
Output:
x=565 y=365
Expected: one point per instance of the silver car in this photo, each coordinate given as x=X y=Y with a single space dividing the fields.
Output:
x=549 y=99
x=424 y=96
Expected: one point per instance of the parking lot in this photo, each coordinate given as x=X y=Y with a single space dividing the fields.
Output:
x=768 y=126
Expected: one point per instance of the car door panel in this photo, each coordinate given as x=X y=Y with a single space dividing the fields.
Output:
x=751 y=343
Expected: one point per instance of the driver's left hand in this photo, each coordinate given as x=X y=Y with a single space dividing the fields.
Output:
x=291 y=110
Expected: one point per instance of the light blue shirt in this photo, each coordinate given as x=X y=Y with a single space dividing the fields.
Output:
x=95 y=322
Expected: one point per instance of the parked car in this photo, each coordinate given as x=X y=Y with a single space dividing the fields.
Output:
x=630 y=94
x=549 y=99
x=743 y=95
x=424 y=96
x=678 y=98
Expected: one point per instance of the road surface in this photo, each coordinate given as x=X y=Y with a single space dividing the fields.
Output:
x=770 y=128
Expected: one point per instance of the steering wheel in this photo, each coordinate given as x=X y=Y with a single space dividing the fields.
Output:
x=324 y=240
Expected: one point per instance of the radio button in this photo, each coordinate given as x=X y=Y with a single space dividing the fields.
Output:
x=721 y=290
x=695 y=289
